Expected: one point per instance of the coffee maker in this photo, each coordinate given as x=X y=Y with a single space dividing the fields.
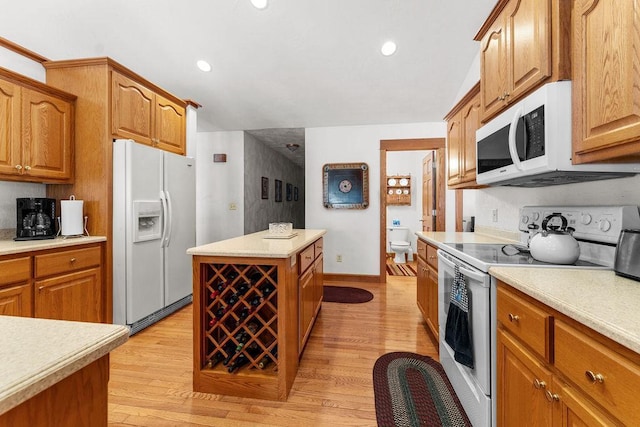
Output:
x=36 y=218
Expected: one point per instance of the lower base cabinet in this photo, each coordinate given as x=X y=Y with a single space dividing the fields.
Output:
x=427 y=286
x=16 y=300
x=553 y=371
x=74 y=296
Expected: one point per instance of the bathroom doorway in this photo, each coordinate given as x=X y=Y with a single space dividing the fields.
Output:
x=389 y=168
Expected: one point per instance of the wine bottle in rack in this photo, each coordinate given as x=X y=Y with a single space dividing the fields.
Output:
x=267 y=360
x=255 y=277
x=243 y=359
x=218 y=288
x=215 y=359
x=217 y=315
x=231 y=276
x=267 y=289
x=244 y=336
x=244 y=313
x=229 y=349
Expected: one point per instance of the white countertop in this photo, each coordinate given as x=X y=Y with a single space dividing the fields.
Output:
x=256 y=245
x=9 y=247
x=438 y=237
x=37 y=353
x=596 y=298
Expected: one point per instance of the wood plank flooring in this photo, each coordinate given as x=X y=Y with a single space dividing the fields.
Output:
x=150 y=383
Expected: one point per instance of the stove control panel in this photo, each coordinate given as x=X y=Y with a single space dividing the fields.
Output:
x=596 y=223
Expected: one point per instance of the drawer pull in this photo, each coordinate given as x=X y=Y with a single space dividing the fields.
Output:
x=551 y=397
x=72 y=260
x=307 y=257
x=513 y=317
x=539 y=384
x=594 y=378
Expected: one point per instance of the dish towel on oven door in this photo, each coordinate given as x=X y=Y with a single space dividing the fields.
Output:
x=457 y=331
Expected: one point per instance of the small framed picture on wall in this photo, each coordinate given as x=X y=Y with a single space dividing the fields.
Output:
x=295 y=194
x=265 y=187
x=289 y=192
x=278 y=191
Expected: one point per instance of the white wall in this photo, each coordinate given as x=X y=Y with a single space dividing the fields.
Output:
x=218 y=185
x=353 y=233
x=10 y=191
x=407 y=163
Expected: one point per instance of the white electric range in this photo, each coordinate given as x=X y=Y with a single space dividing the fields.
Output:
x=597 y=229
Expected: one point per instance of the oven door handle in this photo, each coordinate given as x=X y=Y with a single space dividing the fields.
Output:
x=465 y=271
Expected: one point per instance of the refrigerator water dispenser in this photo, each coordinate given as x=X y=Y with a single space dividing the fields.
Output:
x=147 y=220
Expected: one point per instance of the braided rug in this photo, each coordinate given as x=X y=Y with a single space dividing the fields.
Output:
x=413 y=390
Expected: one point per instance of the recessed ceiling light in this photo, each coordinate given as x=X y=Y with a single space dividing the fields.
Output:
x=203 y=65
x=388 y=48
x=259 y=4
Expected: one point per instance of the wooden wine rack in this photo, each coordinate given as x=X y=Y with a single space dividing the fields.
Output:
x=241 y=304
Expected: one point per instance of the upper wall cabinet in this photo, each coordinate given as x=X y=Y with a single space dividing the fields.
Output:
x=518 y=48
x=36 y=131
x=147 y=117
x=606 y=58
x=462 y=122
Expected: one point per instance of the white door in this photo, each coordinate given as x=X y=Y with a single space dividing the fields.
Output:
x=179 y=186
x=144 y=284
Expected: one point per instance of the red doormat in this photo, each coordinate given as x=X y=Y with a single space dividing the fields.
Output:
x=394 y=269
x=413 y=390
x=345 y=294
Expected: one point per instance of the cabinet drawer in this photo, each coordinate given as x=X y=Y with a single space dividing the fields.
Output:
x=530 y=324
x=318 y=247
x=305 y=258
x=67 y=261
x=15 y=270
x=608 y=377
x=432 y=256
x=422 y=249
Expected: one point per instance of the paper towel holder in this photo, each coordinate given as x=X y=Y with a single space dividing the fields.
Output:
x=78 y=225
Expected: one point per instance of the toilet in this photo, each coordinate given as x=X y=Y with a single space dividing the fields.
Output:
x=398 y=240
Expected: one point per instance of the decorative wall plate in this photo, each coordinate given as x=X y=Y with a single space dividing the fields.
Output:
x=391 y=181
x=345 y=185
x=399 y=191
x=404 y=182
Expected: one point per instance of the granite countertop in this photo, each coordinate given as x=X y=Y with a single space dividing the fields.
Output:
x=438 y=237
x=598 y=299
x=259 y=245
x=9 y=246
x=37 y=353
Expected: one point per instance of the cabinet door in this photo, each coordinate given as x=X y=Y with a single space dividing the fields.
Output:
x=75 y=296
x=529 y=45
x=606 y=59
x=16 y=300
x=305 y=308
x=432 y=302
x=318 y=277
x=47 y=136
x=170 y=126
x=454 y=142
x=132 y=108
x=10 y=138
x=470 y=124
x=522 y=383
x=421 y=288
x=573 y=409
x=493 y=68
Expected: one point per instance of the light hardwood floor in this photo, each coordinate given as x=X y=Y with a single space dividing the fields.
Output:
x=150 y=383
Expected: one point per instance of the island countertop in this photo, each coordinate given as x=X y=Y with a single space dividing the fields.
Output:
x=35 y=354
x=259 y=245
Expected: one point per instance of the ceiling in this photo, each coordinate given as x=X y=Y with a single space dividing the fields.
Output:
x=295 y=64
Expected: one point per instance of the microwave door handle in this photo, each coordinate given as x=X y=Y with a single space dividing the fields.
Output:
x=513 y=150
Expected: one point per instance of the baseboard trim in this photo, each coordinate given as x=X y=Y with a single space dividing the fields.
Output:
x=361 y=278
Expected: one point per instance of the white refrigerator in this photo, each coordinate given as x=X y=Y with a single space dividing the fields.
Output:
x=153 y=226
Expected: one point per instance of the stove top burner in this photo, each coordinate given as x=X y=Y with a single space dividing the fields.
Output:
x=509 y=254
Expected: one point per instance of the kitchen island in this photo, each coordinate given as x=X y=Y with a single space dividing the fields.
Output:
x=255 y=299
x=55 y=373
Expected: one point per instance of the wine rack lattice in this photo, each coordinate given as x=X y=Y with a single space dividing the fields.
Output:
x=241 y=317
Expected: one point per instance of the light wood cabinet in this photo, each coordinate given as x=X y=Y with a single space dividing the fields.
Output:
x=399 y=190
x=310 y=290
x=558 y=371
x=523 y=44
x=92 y=80
x=65 y=284
x=36 y=132
x=144 y=116
x=427 y=286
x=462 y=122
x=606 y=108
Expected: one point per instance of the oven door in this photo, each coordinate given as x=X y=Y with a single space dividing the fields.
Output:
x=473 y=386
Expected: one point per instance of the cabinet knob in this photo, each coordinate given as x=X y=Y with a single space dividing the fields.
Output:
x=27 y=168
x=72 y=260
x=551 y=397
x=539 y=384
x=513 y=317
x=594 y=378
x=19 y=167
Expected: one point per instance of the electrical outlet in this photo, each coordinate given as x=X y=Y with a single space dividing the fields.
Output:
x=494 y=214
x=338 y=258
x=232 y=206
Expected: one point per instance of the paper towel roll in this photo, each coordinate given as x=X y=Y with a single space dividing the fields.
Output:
x=71 y=217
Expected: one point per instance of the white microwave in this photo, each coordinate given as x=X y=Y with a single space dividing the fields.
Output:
x=529 y=145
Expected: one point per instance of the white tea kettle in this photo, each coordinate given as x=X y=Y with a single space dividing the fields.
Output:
x=555 y=244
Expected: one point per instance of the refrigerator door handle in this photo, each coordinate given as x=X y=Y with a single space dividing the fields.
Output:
x=169 y=220
x=165 y=213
